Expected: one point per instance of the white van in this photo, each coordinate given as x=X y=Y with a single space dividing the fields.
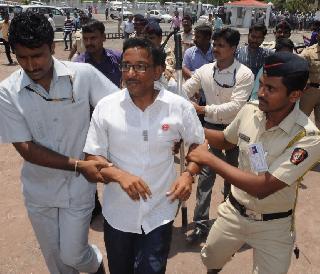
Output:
x=58 y=16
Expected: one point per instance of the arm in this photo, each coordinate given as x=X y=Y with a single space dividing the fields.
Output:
x=72 y=51
x=192 y=85
x=133 y=185
x=43 y=156
x=259 y=186
x=193 y=135
x=216 y=139
x=186 y=73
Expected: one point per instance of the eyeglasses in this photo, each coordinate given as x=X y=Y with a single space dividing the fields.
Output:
x=55 y=99
x=125 y=67
x=225 y=85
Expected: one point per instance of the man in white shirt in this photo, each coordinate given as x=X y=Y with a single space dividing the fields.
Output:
x=45 y=112
x=227 y=85
x=50 y=19
x=128 y=27
x=136 y=130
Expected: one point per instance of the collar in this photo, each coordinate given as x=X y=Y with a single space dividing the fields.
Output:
x=229 y=69
x=59 y=69
x=126 y=96
x=288 y=122
x=208 y=52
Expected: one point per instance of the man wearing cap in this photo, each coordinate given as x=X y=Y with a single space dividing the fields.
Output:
x=278 y=145
x=283 y=30
x=310 y=100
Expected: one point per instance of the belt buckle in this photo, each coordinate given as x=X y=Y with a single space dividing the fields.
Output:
x=254 y=216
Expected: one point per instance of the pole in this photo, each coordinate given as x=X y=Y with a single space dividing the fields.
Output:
x=178 y=56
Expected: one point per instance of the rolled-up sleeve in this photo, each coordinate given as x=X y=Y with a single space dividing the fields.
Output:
x=192 y=130
x=239 y=97
x=13 y=126
x=97 y=137
x=295 y=161
x=101 y=86
x=192 y=85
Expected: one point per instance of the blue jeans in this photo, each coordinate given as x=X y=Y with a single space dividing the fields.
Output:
x=132 y=253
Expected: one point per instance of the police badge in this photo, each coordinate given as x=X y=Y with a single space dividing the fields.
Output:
x=298 y=155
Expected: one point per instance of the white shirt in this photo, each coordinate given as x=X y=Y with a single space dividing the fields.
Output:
x=60 y=126
x=128 y=27
x=140 y=143
x=223 y=104
x=53 y=25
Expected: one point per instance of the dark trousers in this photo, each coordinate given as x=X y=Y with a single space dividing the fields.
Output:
x=206 y=181
x=66 y=34
x=131 y=253
x=7 y=49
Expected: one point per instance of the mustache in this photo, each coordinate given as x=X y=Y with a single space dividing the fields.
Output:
x=33 y=71
x=262 y=100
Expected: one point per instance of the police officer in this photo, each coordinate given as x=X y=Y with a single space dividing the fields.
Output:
x=310 y=100
x=277 y=144
x=227 y=85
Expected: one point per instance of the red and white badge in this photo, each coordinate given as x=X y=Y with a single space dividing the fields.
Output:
x=298 y=155
x=165 y=127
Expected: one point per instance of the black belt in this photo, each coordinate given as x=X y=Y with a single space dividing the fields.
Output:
x=256 y=216
x=212 y=125
x=314 y=85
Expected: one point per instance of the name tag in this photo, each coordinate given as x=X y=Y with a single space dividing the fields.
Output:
x=257 y=158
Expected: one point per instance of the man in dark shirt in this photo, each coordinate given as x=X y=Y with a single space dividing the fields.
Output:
x=105 y=60
x=252 y=55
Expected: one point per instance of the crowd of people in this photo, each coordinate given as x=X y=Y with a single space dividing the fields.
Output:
x=116 y=117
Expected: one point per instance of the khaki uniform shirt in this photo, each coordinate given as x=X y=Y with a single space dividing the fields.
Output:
x=79 y=42
x=312 y=55
x=283 y=163
x=4 y=27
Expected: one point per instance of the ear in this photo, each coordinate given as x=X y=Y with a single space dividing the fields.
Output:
x=52 y=48
x=104 y=37
x=158 y=70
x=295 y=95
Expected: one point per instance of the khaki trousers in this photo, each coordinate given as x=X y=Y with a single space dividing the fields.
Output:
x=271 y=241
x=310 y=101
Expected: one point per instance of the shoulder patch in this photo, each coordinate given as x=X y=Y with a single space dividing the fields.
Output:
x=298 y=155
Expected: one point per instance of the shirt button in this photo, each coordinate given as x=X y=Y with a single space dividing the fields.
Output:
x=55 y=120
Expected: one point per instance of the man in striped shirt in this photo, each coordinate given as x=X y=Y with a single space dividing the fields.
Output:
x=68 y=29
x=252 y=55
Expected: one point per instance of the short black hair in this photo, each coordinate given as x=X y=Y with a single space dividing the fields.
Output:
x=259 y=27
x=231 y=36
x=31 y=30
x=284 y=43
x=283 y=25
x=92 y=25
x=187 y=17
x=158 y=56
x=205 y=29
x=295 y=81
x=153 y=27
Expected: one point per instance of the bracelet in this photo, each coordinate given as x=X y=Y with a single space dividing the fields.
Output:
x=76 y=167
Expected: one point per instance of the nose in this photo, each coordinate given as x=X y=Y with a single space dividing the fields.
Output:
x=29 y=64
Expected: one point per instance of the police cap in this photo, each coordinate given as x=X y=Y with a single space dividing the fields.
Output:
x=284 y=63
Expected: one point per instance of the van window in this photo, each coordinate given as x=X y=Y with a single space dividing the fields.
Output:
x=56 y=12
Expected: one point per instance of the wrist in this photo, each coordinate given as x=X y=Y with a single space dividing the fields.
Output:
x=189 y=174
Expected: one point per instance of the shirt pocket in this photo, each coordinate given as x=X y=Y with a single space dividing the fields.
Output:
x=244 y=161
